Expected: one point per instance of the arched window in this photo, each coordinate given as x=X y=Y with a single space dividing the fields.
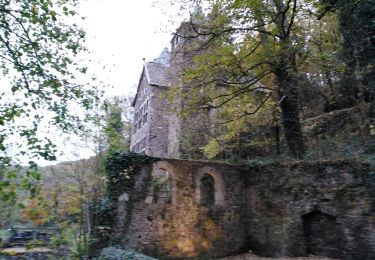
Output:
x=162 y=183
x=207 y=184
x=210 y=188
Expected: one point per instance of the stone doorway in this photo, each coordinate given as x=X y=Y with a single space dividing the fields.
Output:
x=323 y=235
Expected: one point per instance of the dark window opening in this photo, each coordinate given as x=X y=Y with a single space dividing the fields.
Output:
x=323 y=234
x=207 y=190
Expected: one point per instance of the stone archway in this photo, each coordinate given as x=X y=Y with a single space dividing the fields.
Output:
x=166 y=191
x=323 y=234
x=210 y=176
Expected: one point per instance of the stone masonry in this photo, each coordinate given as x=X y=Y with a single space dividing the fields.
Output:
x=281 y=209
x=159 y=129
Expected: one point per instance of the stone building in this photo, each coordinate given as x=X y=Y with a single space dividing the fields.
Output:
x=151 y=109
x=158 y=128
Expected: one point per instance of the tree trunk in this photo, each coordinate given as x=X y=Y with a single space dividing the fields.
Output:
x=276 y=136
x=289 y=104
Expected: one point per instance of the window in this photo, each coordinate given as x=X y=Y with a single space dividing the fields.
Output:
x=210 y=187
x=140 y=117
x=144 y=118
x=162 y=193
x=207 y=185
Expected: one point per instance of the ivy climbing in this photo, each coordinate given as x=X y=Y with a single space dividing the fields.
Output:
x=121 y=169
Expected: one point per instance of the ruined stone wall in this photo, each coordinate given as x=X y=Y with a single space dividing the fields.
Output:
x=281 y=209
x=317 y=208
x=185 y=228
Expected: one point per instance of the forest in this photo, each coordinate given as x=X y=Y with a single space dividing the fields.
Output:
x=289 y=80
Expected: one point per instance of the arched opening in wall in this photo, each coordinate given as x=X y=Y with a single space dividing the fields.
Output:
x=162 y=184
x=323 y=234
x=207 y=185
x=210 y=188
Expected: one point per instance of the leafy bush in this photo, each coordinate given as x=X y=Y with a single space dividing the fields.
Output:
x=113 y=253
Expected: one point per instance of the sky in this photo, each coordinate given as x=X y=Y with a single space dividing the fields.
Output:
x=121 y=33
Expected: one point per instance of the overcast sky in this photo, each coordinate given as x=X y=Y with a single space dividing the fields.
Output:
x=120 y=33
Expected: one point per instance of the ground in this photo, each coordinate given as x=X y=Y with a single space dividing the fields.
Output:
x=250 y=256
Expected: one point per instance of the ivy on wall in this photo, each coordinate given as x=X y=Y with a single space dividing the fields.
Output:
x=121 y=169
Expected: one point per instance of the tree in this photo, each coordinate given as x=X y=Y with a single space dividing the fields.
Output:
x=39 y=44
x=357 y=25
x=323 y=69
x=37 y=211
x=118 y=124
x=242 y=44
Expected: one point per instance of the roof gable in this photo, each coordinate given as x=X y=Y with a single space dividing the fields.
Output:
x=156 y=76
x=156 y=73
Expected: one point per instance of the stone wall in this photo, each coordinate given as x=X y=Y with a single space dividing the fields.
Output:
x=140 y=133
x=282 y=209
x=152 y=137
x=184 y=228
x=318 y=208
x=159 y=111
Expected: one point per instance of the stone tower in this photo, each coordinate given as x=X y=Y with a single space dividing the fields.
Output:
x=159 y=129
x=190 y=135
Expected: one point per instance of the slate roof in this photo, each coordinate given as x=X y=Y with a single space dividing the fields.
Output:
x=156 y=72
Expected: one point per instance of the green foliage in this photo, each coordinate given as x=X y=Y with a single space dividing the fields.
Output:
x=17 y=182
x=39 y=43
x=80 y=247
x=357 y=26
x=212 y=149
x=117 y=128
x=307 y=58
x=121 y=168
x=242 y=49
x=60 y=239
x=113 y=253
x=357 y=22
